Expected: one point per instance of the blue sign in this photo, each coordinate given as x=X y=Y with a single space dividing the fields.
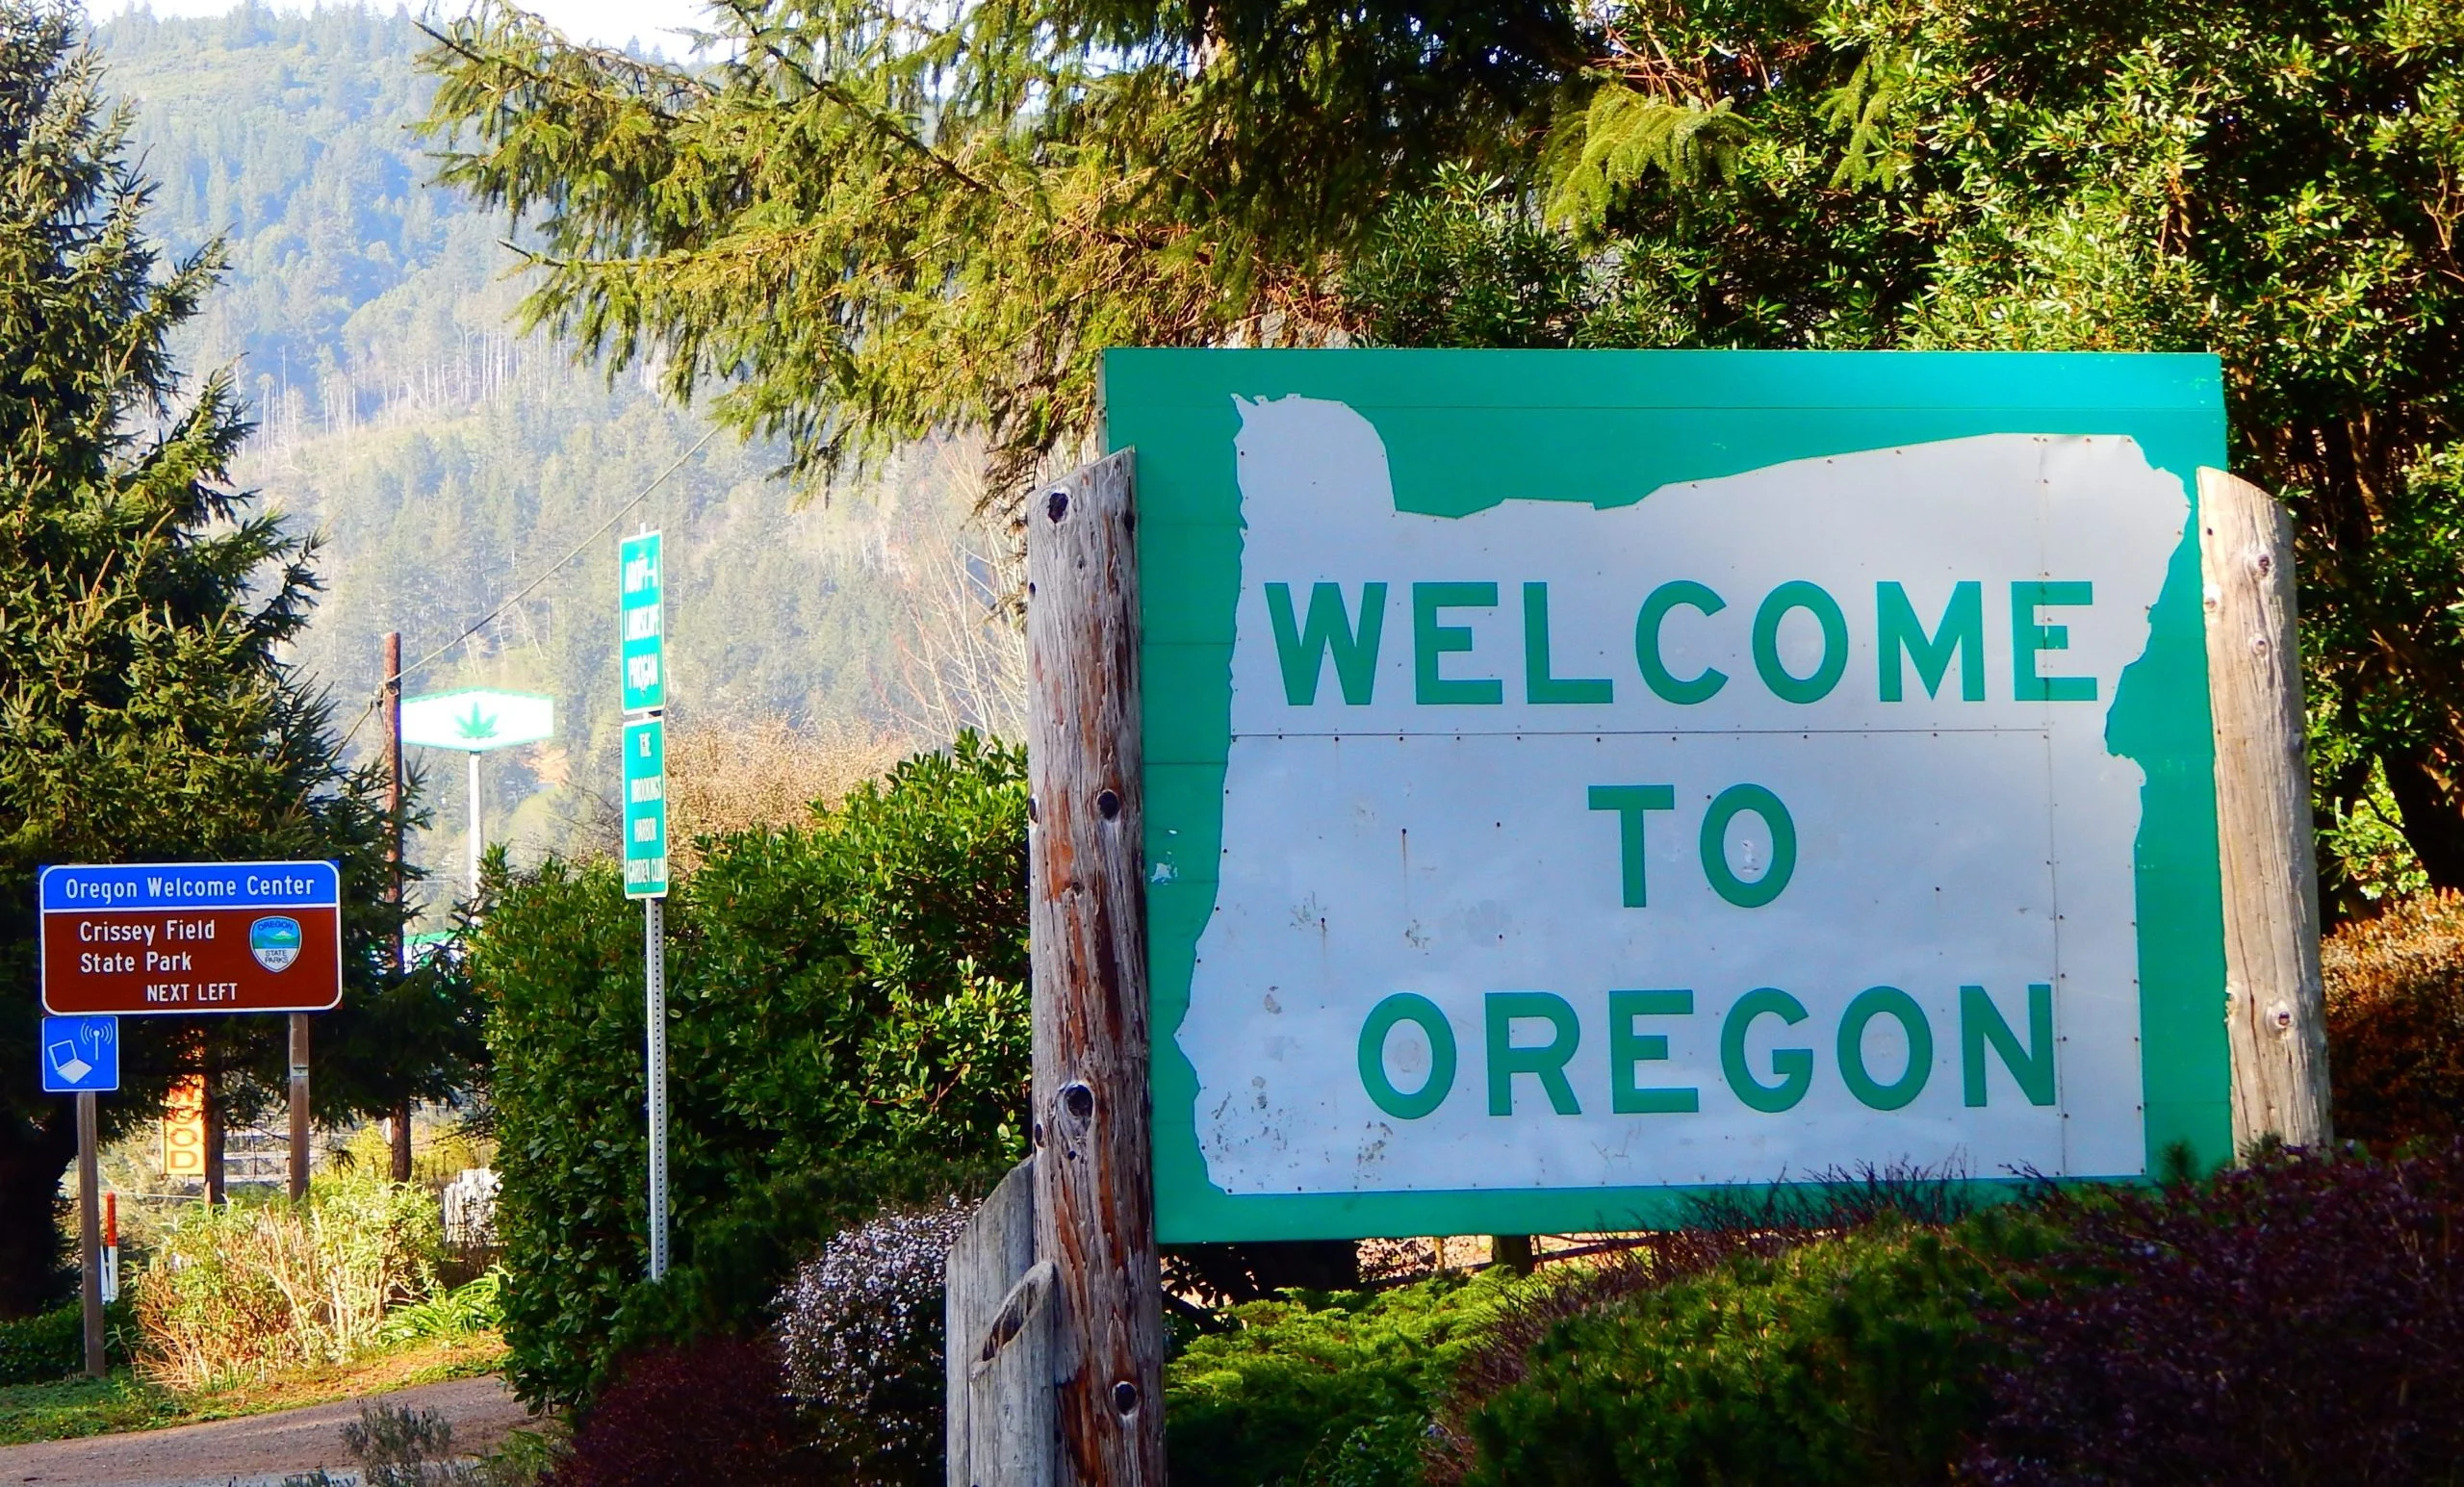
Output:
x=79 y=1055
x=193 y=885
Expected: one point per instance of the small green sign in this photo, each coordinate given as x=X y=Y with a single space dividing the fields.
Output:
x=642 y=649
x=646 y=809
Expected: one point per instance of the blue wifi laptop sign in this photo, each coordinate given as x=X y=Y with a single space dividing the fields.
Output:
x=79 y=1055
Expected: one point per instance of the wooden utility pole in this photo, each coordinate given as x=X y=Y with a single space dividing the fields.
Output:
x=1087 y=910
x=2275 y=1005
x=398 y=1119
x=213 y=1112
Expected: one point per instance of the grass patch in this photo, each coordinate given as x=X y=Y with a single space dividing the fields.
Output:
x=84 y=1406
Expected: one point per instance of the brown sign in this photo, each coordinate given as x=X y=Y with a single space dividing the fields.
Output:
x=191 y=937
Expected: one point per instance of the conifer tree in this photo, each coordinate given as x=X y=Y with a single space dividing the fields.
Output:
x=879 y=218
x=146 y=712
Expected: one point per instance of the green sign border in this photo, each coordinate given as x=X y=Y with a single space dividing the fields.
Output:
x=1465 y=431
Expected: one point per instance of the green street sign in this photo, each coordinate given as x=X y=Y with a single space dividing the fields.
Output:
x=476 y=720
x=642 y=651
x=646 y=809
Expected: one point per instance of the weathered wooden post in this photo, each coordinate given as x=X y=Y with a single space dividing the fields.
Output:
x=999 y=1319
x=2275 y=1007
x=1094 y=1184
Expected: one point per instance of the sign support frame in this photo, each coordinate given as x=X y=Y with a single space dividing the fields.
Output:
x=89 y=1229
x=299 y=1140
x=655 y=1011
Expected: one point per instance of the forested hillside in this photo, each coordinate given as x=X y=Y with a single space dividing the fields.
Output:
x=448 y=460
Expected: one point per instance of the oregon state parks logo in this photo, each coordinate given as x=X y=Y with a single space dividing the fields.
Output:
x=274 y=940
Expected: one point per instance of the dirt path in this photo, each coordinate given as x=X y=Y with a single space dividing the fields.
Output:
x=259 y=1449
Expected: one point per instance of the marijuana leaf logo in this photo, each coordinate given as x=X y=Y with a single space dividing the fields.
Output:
x=478 y=727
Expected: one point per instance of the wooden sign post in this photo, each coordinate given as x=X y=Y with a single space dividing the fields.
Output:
x=1054 y=1293
x=1095 y=1182
x=2275 y=1007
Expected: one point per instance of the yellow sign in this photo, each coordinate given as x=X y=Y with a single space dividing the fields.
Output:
x=184 y=1129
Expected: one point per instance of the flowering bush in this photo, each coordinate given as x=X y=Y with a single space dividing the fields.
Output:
x=859 y=1329
x=2301 y=1320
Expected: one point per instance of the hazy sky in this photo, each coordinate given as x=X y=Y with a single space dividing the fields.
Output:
x=608 y=22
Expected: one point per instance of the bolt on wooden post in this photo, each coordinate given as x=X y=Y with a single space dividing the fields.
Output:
x=1095 y=1182
x=2275 y=1007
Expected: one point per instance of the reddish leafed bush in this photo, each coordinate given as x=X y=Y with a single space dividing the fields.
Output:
x=2396 y=1022
x=712 y=1411
x=2301 y=1320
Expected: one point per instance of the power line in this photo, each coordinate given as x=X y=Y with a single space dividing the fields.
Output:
x=538 y=579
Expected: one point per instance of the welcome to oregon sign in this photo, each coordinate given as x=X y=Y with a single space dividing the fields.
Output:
x=1575 y=777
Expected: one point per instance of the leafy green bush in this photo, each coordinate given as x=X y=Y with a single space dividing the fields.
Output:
x=248 y=1288
x=40 y=1349
x=848 y=1026
x=477 y=1306
x=1858 y=1360
x=1323 y=1389
x=52 y=1344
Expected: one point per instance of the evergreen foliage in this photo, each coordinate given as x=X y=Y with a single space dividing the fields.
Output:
x=1856 y=1360
x=848 y=1028
x=146 y=606
x=1334 y=1389
x=447 y=460
x=2281 y=185
x=874 y=221
x=871 y=223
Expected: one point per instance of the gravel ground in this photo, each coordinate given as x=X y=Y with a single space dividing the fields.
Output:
x=261 y=1449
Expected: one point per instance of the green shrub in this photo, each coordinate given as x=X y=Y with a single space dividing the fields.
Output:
x=475 y=1306
x=52 y=1344
x=848 y=1025
x=244 y=1290
x=1858 y=1360
x=1332 y=1390
x=2395 y=1022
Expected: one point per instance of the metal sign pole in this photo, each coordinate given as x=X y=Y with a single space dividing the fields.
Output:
x=475 y=823
x=654 y=980
x=90 y=1228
